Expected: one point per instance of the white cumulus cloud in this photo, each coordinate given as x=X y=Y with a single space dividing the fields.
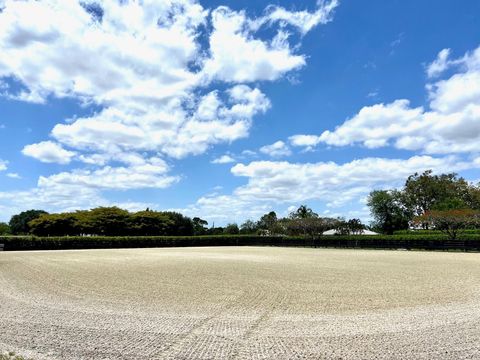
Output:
x=277 y=149
x=14 y=176
x=224 y=159
x=168 y=79
x=48 y=152
x=451 y=123
x=273 y=184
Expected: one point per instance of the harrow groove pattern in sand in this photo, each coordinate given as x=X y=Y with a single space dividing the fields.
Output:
x=240 y=303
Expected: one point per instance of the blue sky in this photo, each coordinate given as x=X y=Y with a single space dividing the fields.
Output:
x=228 y=109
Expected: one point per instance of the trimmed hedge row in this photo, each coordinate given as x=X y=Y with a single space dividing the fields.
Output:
x=467 y=242
x=433 y=232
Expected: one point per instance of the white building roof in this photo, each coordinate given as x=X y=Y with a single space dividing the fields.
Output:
x=364 y=232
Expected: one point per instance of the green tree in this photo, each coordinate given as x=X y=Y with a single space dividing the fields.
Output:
x=215 y=230
x=19 y=223
x=349 y=227
x=149 y=223
x=231 y=229
x=388 y=211
x=422 y=192
x=313 y=226
x=451 y=222
x=268 y=221
x=199 y=226
x=180 y=226
x=248 y=227
x=4 y=229
x=108 y=221
x=55 y=225
x=303 y=212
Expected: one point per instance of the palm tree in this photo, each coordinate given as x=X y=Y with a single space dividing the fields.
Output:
x=303 y=212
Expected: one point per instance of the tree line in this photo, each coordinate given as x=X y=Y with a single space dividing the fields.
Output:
x=113 y=221
x=301 y=222
x=443 y=202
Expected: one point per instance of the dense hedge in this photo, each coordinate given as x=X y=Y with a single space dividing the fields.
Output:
x=467 y=242
x=434 y=232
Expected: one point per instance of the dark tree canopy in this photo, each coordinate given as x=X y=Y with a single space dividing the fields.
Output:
x=4 y=229
x=19 y=223
x=303 y=212
x=422 y=193
x=181 y=225
x=231 y=229
x=199 y=226
x=111 y=221
x=249 y=227
x=349 y=227
x=268 y=221
x=388 y=211
x=313 y=226
x=149 y=223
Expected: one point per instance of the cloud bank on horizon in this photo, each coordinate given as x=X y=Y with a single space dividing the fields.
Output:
x=161 y=82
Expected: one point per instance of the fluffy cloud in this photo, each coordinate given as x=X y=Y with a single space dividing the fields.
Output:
x=48 y=152
x=82 y=188
x=277 y=149
x=304 y=140
x=3 y=165
x=14 y=176
x=150 y=174
x=440 y=64
x=169 y=79
x=374 y=125
x=303 y=20
x=153 y=70
x=236 y=57
x=450 y=125
x=224 y=159
x=273 y=184
x=59 y=198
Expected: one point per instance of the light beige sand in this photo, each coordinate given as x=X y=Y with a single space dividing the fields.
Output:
x=240 y=303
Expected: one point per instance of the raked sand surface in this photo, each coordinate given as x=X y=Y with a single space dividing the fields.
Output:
x=240 y=303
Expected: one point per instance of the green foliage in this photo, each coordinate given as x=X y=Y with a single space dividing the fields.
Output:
x=215 y=231
x=109 y=221
x=199 y=226
x=149 y=223
x=394 y=210
x=303 y=212
x=312 y=226
x=451 y=222
x=55 y=225
x=19 y=223
x=267 y=222
x=349 y=227
x=180 y=224
x=4 y=229
x=424 y=192
x=249 y=227
x=422 y=232
x=388 y=211
x=231 y=229
x=427 y=242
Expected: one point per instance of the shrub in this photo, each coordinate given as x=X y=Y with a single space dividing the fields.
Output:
x=426 y=242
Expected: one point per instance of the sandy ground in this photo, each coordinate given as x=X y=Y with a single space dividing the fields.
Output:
x=240 y=303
